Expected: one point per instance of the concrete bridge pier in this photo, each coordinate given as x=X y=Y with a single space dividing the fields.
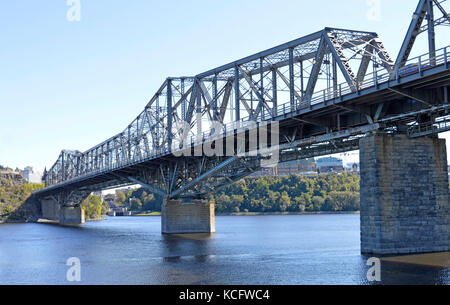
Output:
x=53 y=210
x=187 y=216
x=71 y=216
x=404 y=195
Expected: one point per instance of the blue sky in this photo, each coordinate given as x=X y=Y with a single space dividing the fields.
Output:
x=71 y=85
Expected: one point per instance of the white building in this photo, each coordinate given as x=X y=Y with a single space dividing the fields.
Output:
x=30 y=175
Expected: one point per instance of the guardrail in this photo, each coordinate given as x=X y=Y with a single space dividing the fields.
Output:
x=441 y=125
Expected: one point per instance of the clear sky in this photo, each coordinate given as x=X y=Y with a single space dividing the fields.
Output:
x=71 y=85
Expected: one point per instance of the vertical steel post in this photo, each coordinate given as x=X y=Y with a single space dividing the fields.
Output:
x=215 y=102
x=108 y=151
x=261 y=73
x=431 y=32
x=302 y=85
x=237 y=94
x=169 y=114
x=420 y=66
x=157 y=142
x=274 y=93
x=183 y=102
x=291 y=78
x=335 y=81
x=251 y=93
x=63 y=170
x=129 y=143
x=446 y=57
x=375 y=74
x=199 y=113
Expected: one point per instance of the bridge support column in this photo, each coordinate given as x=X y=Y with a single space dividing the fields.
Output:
x=404 y=195
x=52 y=209
x=71 y=216
x=196 y=216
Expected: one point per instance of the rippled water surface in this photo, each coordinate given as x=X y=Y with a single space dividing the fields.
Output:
x=315 y=249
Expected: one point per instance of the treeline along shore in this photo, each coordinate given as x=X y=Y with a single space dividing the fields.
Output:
x=335 y=193
x=293 y=194
x=18 y=205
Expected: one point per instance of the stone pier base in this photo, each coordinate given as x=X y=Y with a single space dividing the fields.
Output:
x=50 y=209
x=71 y=216
x=53 y=210
x=404 y=195
x=196 y=216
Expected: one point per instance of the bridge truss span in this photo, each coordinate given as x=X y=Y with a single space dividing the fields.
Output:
x=313 y=96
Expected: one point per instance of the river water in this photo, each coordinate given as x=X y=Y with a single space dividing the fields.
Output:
x=311 y=249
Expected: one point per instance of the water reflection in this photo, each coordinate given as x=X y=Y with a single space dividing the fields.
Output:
x=187 y=246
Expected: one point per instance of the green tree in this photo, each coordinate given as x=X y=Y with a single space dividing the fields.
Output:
x=136 y=204
x=120 y=198
x=285 y=202
x=93 y=207
x=317 y=202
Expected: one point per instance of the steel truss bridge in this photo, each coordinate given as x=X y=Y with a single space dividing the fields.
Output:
x=316 y=95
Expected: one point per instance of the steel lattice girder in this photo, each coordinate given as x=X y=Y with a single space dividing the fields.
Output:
x=423 y=11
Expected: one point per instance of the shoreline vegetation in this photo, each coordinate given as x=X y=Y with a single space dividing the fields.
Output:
x=147 y=214
x=290 y=195
x=16 y=202
x=288 y=213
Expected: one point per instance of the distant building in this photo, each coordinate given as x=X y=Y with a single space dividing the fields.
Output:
x=352 y=168
x=330 y=165
x=26 y=173
x=30 y=175
x=118 y=211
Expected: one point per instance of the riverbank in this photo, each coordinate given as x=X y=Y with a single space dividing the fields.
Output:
x=95 y=219
x=148 y=214
x=241 y=214
x=264 y=213
x=288 y=213
x=40 y=220
x=10 y=221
